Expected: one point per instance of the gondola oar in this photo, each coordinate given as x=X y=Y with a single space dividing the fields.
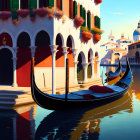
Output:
x=67 y=79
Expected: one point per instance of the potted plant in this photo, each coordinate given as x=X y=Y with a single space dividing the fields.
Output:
x=42 y=12
x=23 y=13
x=32 y=15
x=58 y=14
x=4 y=15
x=98 y=1
x=85 y=34
x=96 y=34
x=78 y=21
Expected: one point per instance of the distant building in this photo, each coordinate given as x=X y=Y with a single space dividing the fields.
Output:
x=134 y=48
x=134 y=53
x=124 y=42
x=112 y=50
x=136 y=33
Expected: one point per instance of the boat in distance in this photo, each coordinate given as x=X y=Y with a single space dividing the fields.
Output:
x=79 y=98
x=113 y=75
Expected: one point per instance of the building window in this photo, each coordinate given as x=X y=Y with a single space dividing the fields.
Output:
x=4 y=5
x=43 y=3
x=89 y=20
x=24 y=4
x=59 y=4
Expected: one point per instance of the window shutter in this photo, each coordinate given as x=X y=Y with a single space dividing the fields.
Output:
x=75 y=9
x=32 y=4
x=14 y=4
x=84 y=17
x=89 y=20
x=97 y=22
x=51 y=3
x=81 y=10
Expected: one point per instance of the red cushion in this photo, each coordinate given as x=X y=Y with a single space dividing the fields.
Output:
x=101 y=89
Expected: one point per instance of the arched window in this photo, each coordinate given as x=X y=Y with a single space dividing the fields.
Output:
x=23 y=40
x=42 y=39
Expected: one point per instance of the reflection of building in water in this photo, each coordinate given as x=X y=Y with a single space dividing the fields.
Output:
x=78 y=124
x=18 y=124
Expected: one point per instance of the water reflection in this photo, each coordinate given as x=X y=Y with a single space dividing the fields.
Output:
x=80 y=124
x=18 y=124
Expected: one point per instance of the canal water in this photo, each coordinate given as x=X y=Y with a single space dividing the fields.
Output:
x=118 y=120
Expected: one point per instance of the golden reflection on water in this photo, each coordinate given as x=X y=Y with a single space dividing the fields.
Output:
x=90 y=122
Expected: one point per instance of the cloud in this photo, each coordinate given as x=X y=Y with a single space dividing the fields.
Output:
x=117 y=13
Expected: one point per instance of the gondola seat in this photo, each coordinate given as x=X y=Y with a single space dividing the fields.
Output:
x=101 y=89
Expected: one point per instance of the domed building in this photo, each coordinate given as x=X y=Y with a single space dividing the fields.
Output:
x=136 y=34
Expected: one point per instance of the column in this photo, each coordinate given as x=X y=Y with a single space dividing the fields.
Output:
x=54 y=51
x=98 y=68
x=75 y=71
x=85 y=66
x=33 y=49
x=92 y=66
x=65 y=52
x=75 y=65
x=37 y=4
x=14 y=67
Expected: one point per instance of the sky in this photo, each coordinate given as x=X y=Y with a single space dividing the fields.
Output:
x=120 y=16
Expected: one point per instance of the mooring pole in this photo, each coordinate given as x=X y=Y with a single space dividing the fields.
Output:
x=67 y=79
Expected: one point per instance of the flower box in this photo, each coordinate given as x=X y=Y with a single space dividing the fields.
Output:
x=50 y=16
x=42 y=12
x=86 y=36
x=23 y=13
x=96 y=31
x=78 y=21
x=98 y=1
x=97 y=37
x=58 y=14
x=4 y=15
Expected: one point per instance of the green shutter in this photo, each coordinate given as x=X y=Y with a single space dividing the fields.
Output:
x=81 y=10
x=89 y=21
x=75 y=9
x=14 y=4
x=84 y=17
x=51 y=3
x=32 y=4
x=97 y=22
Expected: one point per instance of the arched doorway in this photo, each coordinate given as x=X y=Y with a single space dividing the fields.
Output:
x=70 y=53
x=80 y=71
x=6 y=70
x=23 y=60
x=43 y=60
x=89 y=70
x=59 y=54
x=96 y=64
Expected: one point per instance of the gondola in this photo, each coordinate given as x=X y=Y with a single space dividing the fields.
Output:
x=113 y=75
x=79 y=98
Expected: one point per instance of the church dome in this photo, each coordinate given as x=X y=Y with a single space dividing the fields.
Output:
x=137 y=31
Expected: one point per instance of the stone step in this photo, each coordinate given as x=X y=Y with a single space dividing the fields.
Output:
x=11 y=92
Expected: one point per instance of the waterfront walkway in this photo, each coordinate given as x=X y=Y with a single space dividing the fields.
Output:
x=15 y=96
